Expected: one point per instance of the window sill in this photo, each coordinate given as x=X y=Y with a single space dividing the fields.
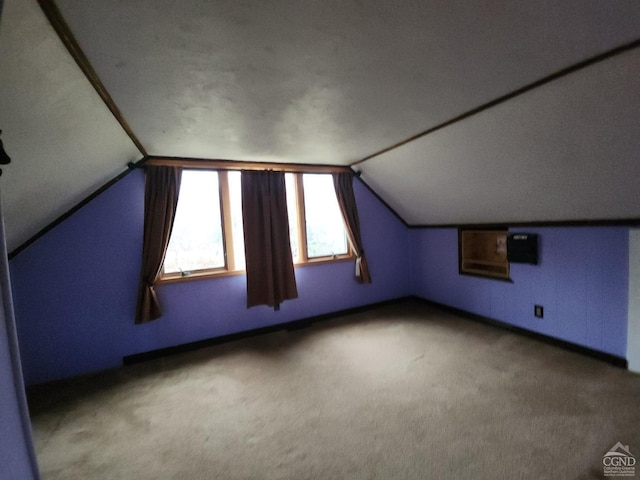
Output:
x=321 y=260
x=198 y=275
x=201 y=275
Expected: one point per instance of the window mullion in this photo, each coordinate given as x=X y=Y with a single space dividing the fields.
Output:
x=225 y=205
x=302 y=222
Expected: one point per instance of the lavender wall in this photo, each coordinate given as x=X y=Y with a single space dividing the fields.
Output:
x=17 y=455
x=15 y=442
x=581 y=280
x=75 y=288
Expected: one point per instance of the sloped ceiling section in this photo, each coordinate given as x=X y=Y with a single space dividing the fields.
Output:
x=63 y=141
x=320 y=81
x=333 y=82
x=569 y=150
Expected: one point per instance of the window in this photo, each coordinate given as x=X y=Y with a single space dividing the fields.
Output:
x=483 y=253
x=207 y=237
x=315 y=220
x=197 y=242
x=325 y=236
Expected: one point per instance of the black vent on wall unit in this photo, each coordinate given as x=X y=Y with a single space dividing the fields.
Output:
x=522 y=248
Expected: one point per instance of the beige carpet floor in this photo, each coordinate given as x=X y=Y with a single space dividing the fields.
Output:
x=404 y=391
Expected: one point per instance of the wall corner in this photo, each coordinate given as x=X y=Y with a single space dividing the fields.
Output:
x=633 y=329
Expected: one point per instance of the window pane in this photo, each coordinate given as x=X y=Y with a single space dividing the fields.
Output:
x=292 y=211
x=325 y=229
x=196 y=239
x=235 y=203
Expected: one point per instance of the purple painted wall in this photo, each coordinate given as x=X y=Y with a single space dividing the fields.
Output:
x=17 y=456
x=14 y=441
x=75 y=288
x=581 y=280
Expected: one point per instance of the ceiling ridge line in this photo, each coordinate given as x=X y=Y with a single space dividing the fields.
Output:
x=63 y=31
x=496 y=101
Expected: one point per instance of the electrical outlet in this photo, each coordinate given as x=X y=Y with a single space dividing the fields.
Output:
x=538 y=311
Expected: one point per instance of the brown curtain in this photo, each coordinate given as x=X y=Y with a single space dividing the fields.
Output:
x=162 y=186
x=269 y=263
x=343 y=183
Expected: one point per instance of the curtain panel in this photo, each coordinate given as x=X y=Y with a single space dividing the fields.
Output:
x=343 y=183
x=162 y=186
x=269 y=263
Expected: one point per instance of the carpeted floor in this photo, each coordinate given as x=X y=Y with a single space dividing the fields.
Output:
x=404 y=391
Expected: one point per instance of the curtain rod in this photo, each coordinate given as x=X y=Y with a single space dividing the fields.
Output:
x=212 y=164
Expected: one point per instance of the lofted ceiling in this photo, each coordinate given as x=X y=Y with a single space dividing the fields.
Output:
x=334 y=82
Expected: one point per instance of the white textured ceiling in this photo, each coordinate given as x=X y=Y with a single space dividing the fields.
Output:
x=568 y=150
x=321 y=81
x=324 y=81
x=63 y=140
